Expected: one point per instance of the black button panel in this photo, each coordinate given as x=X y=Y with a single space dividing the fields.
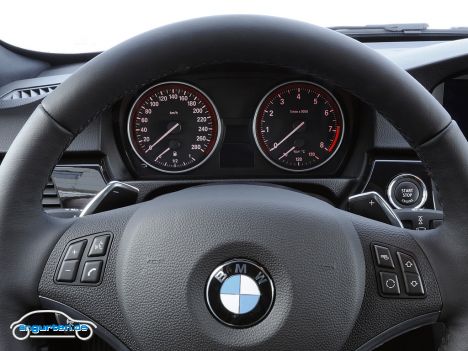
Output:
x=389 y=283
x=99 y=245
x=75 y=251
x=413 y=284
x=407 y=263
x=83 y=260
x=393 y=266
x=91 y=272
x=383 y=256
x=67 y=272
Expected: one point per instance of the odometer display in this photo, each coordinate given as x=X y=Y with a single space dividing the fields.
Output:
x=298 y=126
x=173 y=127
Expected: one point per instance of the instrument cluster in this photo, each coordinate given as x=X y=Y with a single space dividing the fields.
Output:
x=241 y=127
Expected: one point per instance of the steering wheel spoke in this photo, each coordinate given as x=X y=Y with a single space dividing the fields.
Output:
x=402 y=291
x=80 y=275
x=330 y=285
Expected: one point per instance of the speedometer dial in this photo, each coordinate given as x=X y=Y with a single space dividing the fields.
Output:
x=173 y=127
x=298 y=126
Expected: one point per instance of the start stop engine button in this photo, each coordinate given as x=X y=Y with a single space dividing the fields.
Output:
x=407 y=191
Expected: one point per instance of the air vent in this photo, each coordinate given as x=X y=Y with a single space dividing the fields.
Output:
x=27 y=93
x=50 y=197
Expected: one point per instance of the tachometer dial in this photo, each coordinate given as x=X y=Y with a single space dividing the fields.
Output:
x=298 y=126
x=173 y=127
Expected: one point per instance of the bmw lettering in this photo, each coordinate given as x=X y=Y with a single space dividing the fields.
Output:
x=240 y=293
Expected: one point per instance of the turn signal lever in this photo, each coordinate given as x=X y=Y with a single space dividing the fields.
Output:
x=420 y=219
x=114 y=195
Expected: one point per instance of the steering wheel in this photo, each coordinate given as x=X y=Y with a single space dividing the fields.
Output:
x=162 y=252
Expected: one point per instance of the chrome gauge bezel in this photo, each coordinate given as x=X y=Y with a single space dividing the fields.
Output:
x=257 y=142
x=129 y=127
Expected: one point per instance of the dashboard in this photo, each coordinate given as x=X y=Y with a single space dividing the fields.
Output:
x=174 y=127
x=238 y=122
x=243 y=123
x=452 y=94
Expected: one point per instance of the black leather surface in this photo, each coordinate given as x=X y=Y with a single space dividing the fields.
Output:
x=13 y=119
x=161 y=270
x=27 y=235
x=179 y=48
x=379 y=314
x=314 y=258
x=164 y=250
x=253 y=39
x=337 y=188
x=99 y=303
x=446 y=156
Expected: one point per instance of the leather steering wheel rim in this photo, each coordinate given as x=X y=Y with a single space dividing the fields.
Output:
x=28 y=235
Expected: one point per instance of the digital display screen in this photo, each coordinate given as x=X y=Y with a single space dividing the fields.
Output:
x=237 y=150
x=456 y=101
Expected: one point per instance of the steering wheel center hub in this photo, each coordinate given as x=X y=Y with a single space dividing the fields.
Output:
x=240 y=293
x=299 y=260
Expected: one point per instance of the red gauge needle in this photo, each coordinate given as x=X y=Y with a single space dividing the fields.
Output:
x=287 y=152
x=287 y=136
x=162 y=137
x=162 y=154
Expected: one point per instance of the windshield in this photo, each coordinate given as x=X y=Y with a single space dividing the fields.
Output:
x=89 y=26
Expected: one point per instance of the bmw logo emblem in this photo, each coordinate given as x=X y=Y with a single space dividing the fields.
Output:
x=240 y=293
